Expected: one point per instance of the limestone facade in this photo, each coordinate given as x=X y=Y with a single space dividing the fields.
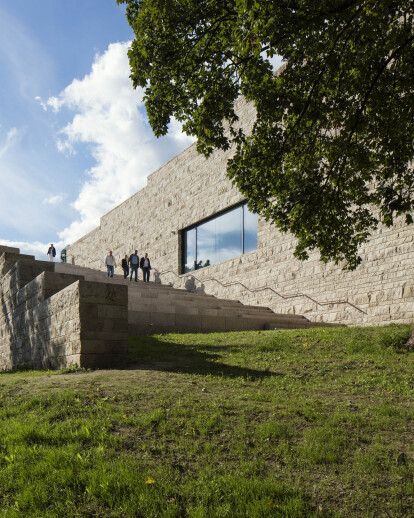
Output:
x=190 y=188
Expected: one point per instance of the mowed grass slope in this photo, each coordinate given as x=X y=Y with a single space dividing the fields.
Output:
x=254 y=424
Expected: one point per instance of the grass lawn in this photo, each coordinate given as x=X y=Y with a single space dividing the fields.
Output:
x=261 y=424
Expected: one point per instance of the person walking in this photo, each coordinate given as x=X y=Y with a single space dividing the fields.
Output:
x=51 y=253
x=134 y=263
x=145 y=266
x=125 y=266
x=110 y=264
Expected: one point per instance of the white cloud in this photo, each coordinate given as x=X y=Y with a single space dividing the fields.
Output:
x=12 y=137
x=42 y=104
x=111 y=119
x=54 y=103
x=54 y=199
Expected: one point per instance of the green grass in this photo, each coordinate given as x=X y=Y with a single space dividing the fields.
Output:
x=255 y=424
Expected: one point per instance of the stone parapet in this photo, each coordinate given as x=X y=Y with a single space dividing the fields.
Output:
x=54 y=320
x=9 y=259
x=9 y=249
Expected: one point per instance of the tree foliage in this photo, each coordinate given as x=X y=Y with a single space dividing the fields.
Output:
x=331 y=152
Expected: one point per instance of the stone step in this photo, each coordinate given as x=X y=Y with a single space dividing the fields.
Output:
x=138 y=297
x=141 y=289
x=157 y=308
x=240 y=312
x=200 y=321
x=193 y=308
x=152 y=286
x=100 y=276
x=153 y=323
x=88 y=322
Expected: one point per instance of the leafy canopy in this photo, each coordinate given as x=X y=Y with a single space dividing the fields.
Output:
x=331 y=152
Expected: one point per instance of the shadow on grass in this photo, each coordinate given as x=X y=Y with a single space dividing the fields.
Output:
x=150 y=353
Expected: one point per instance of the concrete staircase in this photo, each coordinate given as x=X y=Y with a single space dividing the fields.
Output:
x=155 y=308
x=55 y=315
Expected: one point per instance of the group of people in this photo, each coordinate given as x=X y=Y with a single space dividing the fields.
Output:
x=131 y=263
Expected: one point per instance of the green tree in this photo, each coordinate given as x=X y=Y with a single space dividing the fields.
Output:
x=331 y=152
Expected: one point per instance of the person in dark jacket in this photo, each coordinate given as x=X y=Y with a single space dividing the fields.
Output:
x=125 y=266
x=145 y=266
x=134 y=263
x=51 y=253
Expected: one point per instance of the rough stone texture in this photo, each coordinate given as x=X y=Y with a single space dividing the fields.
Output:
x=190 y=188
x=8 y=249
x=103 y=311
x=53 y=320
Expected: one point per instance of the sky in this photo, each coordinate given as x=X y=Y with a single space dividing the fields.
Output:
x=74 y=136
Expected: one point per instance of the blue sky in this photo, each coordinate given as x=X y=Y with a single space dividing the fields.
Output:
x=74 y=138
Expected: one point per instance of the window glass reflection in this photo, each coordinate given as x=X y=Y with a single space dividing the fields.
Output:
x=223 y=237
x=189 y=250
x=250 y=230
x=220 y=238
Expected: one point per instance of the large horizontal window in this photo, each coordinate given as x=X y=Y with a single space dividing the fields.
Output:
x=221 y=237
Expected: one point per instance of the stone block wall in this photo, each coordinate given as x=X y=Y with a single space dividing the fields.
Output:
x=103 y=314
x=55 y=320
x=190 y=188
x=9 y=249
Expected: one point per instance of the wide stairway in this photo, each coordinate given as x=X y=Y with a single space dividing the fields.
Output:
x=156 y=308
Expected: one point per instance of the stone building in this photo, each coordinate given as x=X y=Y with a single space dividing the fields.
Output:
x=200 y=236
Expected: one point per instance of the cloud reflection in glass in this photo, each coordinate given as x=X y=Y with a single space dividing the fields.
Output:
x=222 y=237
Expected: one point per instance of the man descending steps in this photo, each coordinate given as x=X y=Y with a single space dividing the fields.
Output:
x=110 y=264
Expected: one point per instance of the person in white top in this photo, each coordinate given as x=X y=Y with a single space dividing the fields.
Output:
x=110 y=264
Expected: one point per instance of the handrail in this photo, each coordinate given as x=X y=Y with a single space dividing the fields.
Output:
x=264 y=288
x=90 y=260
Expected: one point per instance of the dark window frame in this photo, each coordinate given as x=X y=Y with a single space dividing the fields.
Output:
x=183 y=234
